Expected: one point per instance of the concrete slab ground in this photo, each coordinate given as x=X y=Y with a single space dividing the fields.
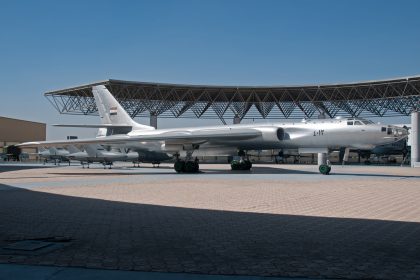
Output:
x=361 y=222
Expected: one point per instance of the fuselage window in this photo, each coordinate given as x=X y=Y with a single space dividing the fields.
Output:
x=389 y=131
x=383 y=129
x=350 y=123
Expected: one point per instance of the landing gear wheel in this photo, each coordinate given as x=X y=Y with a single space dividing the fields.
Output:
x=247 y=164
x=325 y=169
x=179 y=166
x=241 y=165
x=191 y=167
x=235 y=165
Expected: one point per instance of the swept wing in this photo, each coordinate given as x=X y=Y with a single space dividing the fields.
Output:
x=197 y=136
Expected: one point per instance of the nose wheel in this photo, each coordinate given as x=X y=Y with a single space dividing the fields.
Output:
x=325 y=169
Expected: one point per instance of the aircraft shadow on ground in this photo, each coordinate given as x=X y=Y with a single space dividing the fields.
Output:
x=373 y=175
x=132 y=236
x=170 y=171
x=255 y=170
x=11 y=167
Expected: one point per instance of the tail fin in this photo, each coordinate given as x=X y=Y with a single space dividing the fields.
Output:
x=111 y=112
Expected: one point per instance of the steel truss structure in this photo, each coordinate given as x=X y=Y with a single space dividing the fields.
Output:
x=366 y=99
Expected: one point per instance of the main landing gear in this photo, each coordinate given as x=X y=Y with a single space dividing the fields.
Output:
x=188 y=165
x=241 y=162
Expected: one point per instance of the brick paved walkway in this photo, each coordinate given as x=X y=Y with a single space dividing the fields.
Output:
x=275 y=221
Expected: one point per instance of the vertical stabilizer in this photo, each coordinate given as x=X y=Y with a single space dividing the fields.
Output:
x=111 y=112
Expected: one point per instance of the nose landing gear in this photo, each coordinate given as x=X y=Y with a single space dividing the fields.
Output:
x=325 y=169
x=324 y=166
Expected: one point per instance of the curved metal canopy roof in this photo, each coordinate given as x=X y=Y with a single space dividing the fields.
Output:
x=363 y=99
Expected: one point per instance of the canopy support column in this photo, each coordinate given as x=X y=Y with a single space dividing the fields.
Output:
x=153 y=120
x=415 y=139
x=236 y=119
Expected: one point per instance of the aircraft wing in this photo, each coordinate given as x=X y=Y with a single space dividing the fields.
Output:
x=179 y=137
x=93 y=125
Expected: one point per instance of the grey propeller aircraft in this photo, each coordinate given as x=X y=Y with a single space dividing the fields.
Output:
x=309 y=136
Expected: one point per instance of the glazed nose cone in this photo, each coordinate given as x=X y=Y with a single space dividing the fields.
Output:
x=400 y=132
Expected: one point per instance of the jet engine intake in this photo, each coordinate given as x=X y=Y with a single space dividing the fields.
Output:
x=280 y=134
x=273 y=134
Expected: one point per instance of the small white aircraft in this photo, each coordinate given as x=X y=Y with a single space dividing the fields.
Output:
x=311 y=136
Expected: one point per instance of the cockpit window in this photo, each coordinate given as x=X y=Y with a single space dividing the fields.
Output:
x=358 y=121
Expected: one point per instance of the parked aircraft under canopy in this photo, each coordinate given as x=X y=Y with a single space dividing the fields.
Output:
x=392 y=97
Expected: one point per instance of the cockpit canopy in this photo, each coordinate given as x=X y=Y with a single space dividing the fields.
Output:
x=349 y=121
x=358 y=121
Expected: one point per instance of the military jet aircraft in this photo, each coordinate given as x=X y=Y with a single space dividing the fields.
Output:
x=55 y=154
x=96 y=153
x=309 y=136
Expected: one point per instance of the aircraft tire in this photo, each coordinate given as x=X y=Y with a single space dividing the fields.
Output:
x=179 y=166
x=191 y=167
x=235 y=165
x=247 y=165
x=325 y=169
x=241 y=165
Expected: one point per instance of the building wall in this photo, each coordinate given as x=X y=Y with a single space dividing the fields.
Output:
x=14 y=131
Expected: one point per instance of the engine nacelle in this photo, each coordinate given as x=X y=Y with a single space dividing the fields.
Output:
x=272 y=134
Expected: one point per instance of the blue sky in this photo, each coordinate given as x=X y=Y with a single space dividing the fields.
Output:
x=47 y=45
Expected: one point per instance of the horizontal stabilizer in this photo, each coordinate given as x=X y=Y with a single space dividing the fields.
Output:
x=93 y=125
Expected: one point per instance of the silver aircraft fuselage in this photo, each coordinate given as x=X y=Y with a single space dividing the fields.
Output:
x=321 y=133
